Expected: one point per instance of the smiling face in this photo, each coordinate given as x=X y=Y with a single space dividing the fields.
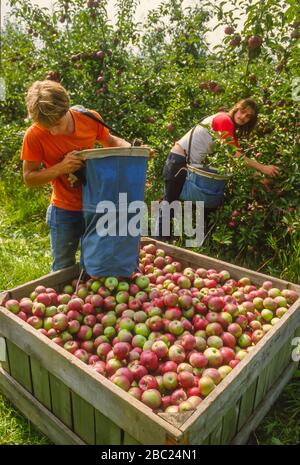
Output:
x=243 y=115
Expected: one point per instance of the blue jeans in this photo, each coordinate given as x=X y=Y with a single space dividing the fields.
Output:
x=66 y=229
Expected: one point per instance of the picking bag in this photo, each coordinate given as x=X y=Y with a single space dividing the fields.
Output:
x=203 y=183
x=109 y=172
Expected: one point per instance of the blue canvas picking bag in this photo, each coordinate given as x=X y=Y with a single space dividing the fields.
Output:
x=203 y=183
x=108 y=173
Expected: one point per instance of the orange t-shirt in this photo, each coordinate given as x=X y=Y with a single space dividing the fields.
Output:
x=41 y=146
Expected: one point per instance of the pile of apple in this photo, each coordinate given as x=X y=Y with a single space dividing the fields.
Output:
x=168 y=336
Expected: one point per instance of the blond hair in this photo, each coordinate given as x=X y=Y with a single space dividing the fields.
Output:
x=242 y=105
x=47 y=102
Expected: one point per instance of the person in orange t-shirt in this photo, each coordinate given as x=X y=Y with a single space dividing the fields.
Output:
x=48 y=154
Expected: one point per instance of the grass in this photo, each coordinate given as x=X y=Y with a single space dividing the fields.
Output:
x=281 y=426
x=25 y=255
x=16 y=429
x=24 y=244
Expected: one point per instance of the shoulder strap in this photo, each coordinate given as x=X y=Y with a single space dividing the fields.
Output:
x=188 y=154
x=91 y=115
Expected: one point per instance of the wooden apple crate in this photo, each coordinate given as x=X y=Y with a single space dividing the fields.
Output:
x=72 y=404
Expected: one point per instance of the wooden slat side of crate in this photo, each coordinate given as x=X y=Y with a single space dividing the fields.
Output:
x=61 y=401
x=215 y=436
x=274 y=370
x=39 y=415
x=4 y=360
x=107 y=432
x=40 y=383
x=84 y=419
x=19 y=365
x=129 y=440
x=57 y=279
x=71 y=413
x=230 y=423
x=246 y=404
x=262 y=409
x=138 y=420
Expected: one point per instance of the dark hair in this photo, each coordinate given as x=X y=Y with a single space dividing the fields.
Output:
x=242 y=104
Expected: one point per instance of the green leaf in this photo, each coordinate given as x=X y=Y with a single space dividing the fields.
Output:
x=276 y=442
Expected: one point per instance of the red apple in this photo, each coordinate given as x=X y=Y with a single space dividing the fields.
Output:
x=186 y=379
x=35 y=321
x=213 y=374
x=135 y=392
x=198 y=360
x=103 y=349
x=82 y=355
x=168 y=366
x=215 y=304
x=121 y=350
x=177 y=354
x=214 y=357
x=235 y=330
x=188 y=342
x=38 y=309
x=227 y=354
x=60 y=321
x=206 y=385
x=254 y=42
x=234 y=363
x=149 y=359
x=160 y=348
x=257 y=335
x=151 y=398
x=228 y=340
x=100 y=367
x=214 y=329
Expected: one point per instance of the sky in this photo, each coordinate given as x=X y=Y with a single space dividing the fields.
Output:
x=144 y=6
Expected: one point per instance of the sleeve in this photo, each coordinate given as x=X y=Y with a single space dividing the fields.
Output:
x=31 y=148
x=223 y=123
x=102 y=132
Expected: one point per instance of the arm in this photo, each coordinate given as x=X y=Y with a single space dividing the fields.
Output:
x=223 y=124
x=34 y=176
x=113 y=141
x=269 y=170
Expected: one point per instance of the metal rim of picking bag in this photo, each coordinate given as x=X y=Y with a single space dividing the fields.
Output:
x=208 y=172
x=90 y=154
